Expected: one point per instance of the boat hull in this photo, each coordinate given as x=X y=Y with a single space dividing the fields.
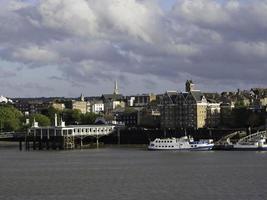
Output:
x=201 y=148
x=247 y=148
x=180 y=144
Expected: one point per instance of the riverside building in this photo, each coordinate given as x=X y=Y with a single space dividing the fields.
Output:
x=188 y=109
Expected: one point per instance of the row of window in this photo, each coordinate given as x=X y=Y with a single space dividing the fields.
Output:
x=165 y=141
x=87 y=130
x=165 y=146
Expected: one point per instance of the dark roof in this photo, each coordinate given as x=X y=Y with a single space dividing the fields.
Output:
x=97 y=98
x=112 y=97
x=171 y=97
x=197 y=95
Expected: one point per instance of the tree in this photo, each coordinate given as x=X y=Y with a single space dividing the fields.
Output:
x=253 y=120
x=72 y=116
x=88 y=118
x=240 y=104
x=41 y=119
x=129 y=110
x=10 y=118
x=50 y=112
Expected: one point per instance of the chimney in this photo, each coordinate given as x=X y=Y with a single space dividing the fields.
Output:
x=55 y=119
x=62 y=123
x=35 y=123
x=189 y=86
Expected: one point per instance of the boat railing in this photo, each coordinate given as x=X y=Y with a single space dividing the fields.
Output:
x=253 y=137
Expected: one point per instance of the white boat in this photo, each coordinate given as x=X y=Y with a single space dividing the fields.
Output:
x=183 y=143
x=256 y=144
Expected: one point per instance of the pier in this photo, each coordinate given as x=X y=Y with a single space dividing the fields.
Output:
x=63 y=137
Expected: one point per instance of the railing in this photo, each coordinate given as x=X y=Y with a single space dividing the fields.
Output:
x=252 y=137
x=225 y=139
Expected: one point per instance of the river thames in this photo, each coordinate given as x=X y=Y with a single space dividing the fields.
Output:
x=131 y=174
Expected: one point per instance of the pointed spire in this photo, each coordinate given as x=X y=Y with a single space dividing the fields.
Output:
x=81 y=97
x=116 y=89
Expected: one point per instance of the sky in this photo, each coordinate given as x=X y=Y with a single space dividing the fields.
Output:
x=69 y=47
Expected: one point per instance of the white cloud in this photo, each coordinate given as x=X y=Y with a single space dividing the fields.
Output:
x=251 y=49
x=35 y=54
x=203 y=11
x=90 y=41
x=73 y=16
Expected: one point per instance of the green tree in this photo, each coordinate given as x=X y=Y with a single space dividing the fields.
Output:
x=129 y=110
x=50 y=112
x=72 y=116
x=88 y=118
x=41 y=119
x=240 y=104
x=10 y=118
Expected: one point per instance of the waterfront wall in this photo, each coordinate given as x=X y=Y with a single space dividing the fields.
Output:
x=143 y=136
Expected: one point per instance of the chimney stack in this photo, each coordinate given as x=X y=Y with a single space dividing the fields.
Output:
x=55 y=119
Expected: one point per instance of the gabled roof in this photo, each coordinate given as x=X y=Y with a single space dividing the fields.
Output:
x=197 y=95
x=171 y=97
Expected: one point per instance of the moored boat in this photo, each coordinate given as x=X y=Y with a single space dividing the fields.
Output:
x=258 y=145
x=183 y=143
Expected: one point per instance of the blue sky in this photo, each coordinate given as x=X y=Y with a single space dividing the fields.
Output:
x=68 y=47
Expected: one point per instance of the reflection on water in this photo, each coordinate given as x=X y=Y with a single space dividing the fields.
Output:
x=129 y=173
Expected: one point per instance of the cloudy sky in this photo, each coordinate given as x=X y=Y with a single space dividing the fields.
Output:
x=68 y=47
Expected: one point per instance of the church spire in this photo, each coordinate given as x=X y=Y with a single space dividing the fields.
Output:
x=82 y=97
x=116 y=89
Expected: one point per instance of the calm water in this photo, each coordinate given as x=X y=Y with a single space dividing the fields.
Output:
x=129 y=173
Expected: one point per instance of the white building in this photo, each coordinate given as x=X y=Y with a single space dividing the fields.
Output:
x=97 y=107
x=5 y=100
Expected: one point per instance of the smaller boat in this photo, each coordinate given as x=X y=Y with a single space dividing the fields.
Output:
x=257 y=144
x=183 y=143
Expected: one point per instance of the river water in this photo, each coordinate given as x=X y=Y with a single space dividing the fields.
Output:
x=131 y=174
